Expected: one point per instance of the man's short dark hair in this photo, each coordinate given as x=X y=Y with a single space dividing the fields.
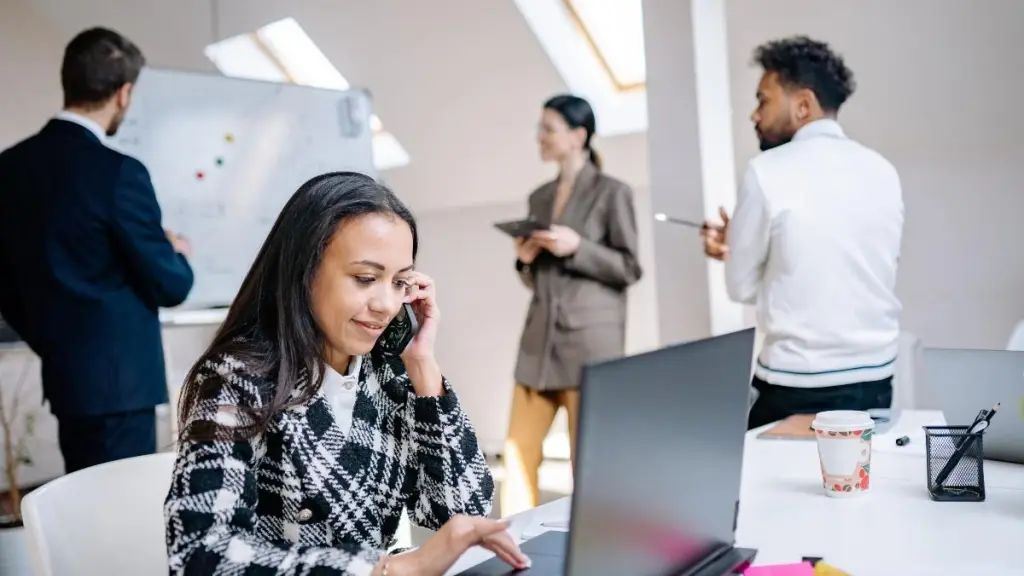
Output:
x=97 y=62
x=805 y=63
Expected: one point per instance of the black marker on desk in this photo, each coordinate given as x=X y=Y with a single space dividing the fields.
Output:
x=903 y=441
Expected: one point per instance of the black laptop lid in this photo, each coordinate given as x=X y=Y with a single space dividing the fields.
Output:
x=660 y=450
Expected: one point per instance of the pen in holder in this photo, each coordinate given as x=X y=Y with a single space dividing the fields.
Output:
x=956 y=464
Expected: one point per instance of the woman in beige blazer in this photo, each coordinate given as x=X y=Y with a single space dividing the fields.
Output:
x=578 y=271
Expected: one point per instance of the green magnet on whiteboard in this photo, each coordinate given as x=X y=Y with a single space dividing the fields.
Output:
x=219 y=161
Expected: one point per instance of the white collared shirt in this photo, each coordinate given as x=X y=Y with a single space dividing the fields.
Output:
x=340 y=392
x=814 y=243
x=88 y=123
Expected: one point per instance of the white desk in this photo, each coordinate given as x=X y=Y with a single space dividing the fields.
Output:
x=894 y=530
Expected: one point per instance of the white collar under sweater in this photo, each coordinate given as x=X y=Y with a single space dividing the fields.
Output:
x=340 y=392
x=814 y=244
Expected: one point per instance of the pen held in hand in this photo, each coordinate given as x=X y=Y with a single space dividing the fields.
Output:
x=662 y=217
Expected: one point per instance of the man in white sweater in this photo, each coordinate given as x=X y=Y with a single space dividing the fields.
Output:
x=814 y=243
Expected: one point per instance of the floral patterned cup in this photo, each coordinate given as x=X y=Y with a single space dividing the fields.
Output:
x=844 y=449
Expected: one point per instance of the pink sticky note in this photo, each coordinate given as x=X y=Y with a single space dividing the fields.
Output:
x=801 y=569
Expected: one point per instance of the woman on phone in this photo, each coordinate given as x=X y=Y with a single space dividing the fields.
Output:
x=579 y=270
x=302 y=439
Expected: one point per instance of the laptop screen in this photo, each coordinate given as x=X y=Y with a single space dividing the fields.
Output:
x=660 y=450
x=962 y=382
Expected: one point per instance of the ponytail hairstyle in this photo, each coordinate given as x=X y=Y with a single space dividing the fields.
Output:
x=577 y=113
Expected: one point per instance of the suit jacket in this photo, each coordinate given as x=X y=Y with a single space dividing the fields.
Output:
x=305 y=498
x=578 y=311
x=84 y=266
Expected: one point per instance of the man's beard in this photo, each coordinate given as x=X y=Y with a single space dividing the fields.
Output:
x=769 y=142
x=115 y=122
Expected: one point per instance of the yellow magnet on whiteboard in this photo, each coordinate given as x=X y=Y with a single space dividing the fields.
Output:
x=229 y=137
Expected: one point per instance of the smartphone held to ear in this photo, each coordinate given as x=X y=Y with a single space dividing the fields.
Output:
x=399 y=333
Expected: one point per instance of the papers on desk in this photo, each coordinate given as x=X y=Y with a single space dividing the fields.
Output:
x=537 y=528
x=545 y=518
x=796 y=427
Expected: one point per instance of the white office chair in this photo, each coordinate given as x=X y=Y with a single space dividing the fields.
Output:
x=908 y=359
x=106 y=519
x=1017 y=338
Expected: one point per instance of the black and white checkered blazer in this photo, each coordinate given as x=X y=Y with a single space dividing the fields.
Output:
x=303 y=498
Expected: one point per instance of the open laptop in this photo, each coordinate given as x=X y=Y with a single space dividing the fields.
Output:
x=962 y=382
x=659 y=458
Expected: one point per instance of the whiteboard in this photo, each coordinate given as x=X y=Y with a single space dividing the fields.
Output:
x=226 y=154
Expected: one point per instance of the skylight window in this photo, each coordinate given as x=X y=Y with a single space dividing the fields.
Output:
x=615 y=30
x=598 y=48
x=282 y=52
x=241 y=57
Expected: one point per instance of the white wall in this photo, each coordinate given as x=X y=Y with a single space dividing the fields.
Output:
x=939 y=90
x=29 y=69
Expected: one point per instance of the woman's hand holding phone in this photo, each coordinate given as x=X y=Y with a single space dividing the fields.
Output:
x=418 y=357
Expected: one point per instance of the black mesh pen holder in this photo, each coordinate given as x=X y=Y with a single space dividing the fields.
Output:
x=956 y=464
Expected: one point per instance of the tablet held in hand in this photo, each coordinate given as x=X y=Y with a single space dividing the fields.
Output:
x=520 y=228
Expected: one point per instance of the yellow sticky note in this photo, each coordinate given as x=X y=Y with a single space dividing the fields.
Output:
x=823 y=569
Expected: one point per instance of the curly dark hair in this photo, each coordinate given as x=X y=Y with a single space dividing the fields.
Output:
x=805 y=63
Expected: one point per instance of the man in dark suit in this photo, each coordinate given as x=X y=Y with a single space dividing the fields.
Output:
x=85 y=264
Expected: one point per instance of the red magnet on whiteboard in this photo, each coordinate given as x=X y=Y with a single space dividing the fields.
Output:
x=199 y=174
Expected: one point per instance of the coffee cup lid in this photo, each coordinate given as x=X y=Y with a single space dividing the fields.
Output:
x=843 y=420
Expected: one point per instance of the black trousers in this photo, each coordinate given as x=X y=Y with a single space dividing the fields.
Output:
x=779 y=402
x=89 y=440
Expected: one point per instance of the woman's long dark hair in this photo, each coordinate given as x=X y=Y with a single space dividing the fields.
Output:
x=270 y=326
x=577 y=113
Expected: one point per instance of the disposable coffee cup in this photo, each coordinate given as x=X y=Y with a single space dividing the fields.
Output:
x=844 y=449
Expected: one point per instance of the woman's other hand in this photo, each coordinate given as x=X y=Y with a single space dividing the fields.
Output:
x=458 y=535
x=559 y=240
x=527 y=250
